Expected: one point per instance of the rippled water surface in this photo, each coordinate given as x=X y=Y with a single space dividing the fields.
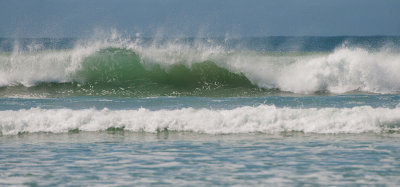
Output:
x=179 y=159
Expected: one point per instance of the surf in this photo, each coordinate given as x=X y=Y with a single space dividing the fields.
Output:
x=124 y=67
x=267 y=119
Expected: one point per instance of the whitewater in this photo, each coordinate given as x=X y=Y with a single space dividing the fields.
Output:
x=124 y=111
x=177 y=65
x=261 y=119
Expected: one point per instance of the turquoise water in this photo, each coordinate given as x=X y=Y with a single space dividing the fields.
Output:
x=194 y=112
x=157 y=103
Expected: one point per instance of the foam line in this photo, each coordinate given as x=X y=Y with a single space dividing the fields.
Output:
x=263 y=119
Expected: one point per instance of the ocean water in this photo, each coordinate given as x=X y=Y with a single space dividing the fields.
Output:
x=124 y=111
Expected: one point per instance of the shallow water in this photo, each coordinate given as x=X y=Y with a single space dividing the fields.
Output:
x=179 y=159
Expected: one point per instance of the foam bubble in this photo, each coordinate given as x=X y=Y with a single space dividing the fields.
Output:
x=263 y=119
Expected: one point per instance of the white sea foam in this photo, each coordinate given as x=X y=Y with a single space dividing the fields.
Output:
x=263 y=119
x=344 y=70
x=36 y=65
x=30 y=68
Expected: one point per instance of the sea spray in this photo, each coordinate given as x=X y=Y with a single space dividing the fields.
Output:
x=135 y=68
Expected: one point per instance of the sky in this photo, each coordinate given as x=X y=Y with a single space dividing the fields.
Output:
x=201 y=18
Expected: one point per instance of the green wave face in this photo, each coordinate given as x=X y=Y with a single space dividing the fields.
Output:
x=121 y=72
x=124 y=68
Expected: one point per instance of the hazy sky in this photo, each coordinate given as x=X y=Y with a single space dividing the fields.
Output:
x=79 y=18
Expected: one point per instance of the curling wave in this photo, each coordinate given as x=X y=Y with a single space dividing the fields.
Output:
x=133 y=69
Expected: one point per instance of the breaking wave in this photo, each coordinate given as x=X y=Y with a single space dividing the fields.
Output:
x=125 y=67
x=260 y=119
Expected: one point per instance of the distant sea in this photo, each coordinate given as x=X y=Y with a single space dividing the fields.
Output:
x=123 y=111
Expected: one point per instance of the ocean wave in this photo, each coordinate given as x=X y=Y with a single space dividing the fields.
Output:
x=130 y=65
x=260 y=119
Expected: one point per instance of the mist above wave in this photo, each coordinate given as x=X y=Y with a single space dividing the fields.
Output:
x=345 y=69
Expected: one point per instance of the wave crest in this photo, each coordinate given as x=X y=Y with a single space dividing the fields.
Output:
x=130 y=64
